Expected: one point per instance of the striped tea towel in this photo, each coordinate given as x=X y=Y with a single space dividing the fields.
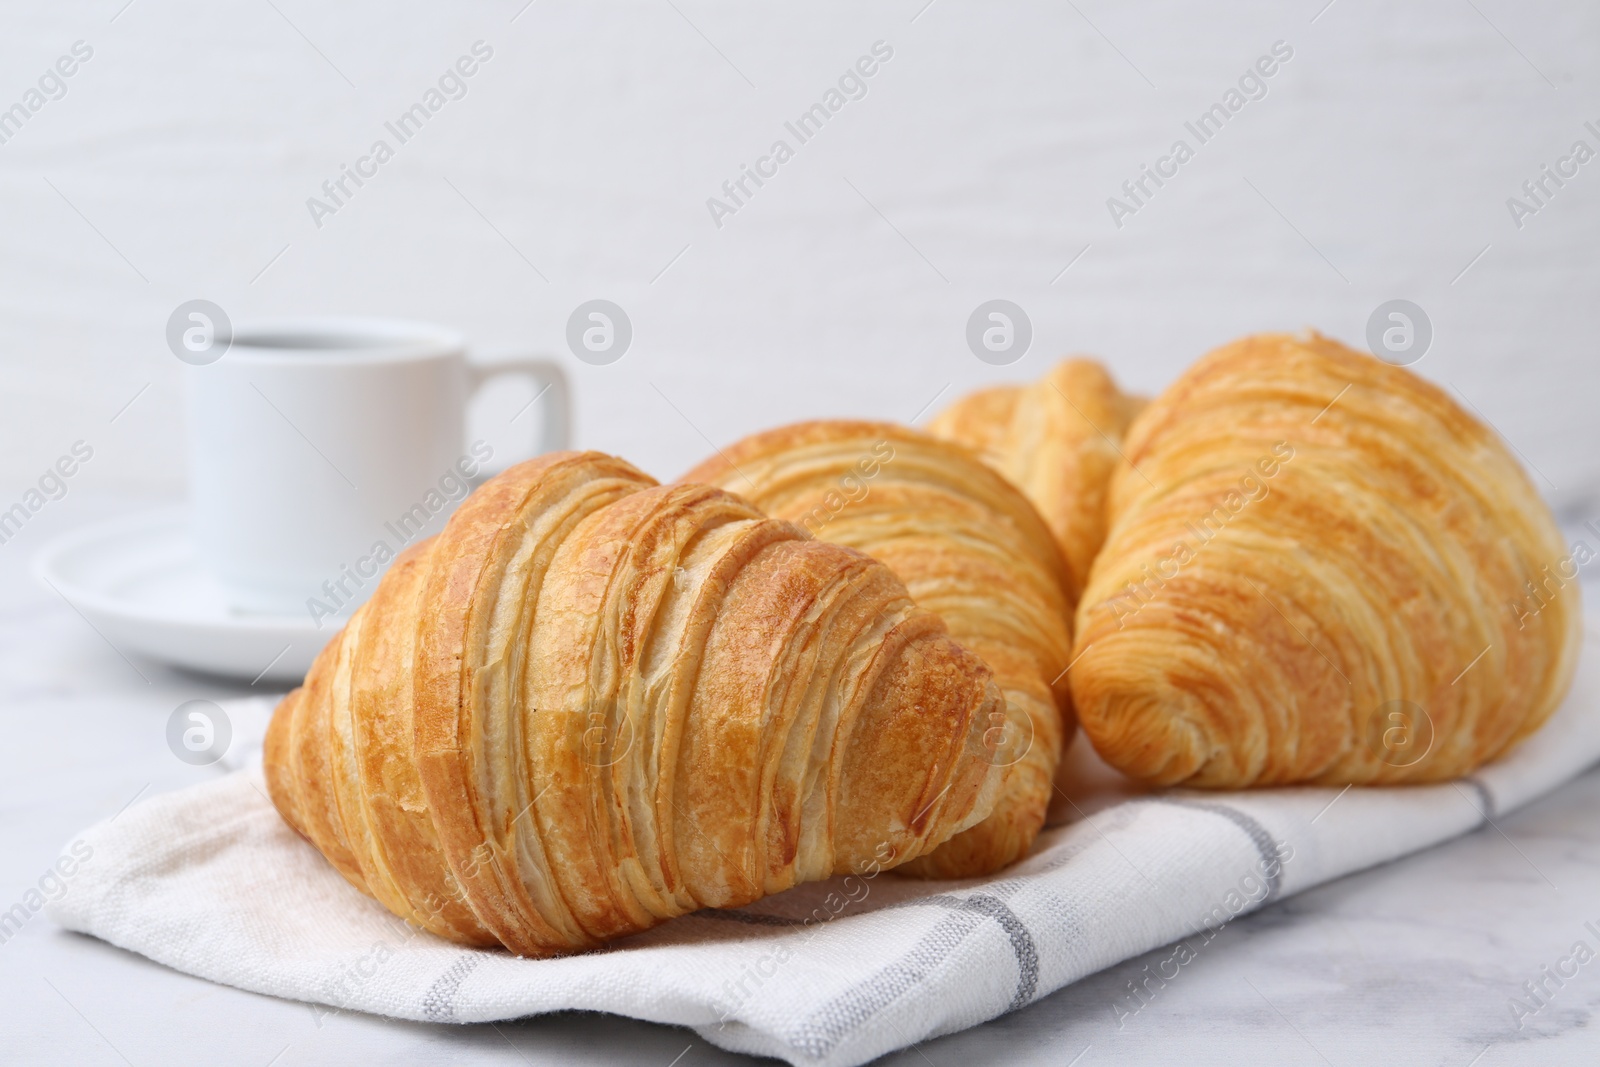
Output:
x=210 y=881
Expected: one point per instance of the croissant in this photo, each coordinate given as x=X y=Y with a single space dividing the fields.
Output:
x=593 y=703
x=1057 y=440
x=969 y=547
x=1319 y=569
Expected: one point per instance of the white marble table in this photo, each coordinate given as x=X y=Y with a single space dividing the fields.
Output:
x=1415 y=962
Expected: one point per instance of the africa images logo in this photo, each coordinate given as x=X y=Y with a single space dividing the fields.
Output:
x=452 y=85
x=52 y=85
x=1252 y=85
x=852 y=85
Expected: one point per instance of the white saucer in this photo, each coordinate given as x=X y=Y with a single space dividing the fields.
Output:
x=138 y=580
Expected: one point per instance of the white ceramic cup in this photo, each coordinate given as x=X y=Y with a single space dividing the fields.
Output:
x=319 y=448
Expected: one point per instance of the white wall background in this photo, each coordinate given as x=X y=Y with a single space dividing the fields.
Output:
x=991 y=141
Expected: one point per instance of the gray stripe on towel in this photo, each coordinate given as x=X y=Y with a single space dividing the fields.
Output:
x=1486 y=805
x=1022 y=945
x=819 y=1034
x=747 y=918
x=439 y=1002
x=1265 y=845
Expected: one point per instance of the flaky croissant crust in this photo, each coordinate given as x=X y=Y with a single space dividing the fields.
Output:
x=1319 y=568
x=593 y=703
x=970 y=548
x=1056 y=439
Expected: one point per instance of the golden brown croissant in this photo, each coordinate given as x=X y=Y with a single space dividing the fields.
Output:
x=969 y=547
x=593 y=703
x=1320 y=568
x=1057 y=440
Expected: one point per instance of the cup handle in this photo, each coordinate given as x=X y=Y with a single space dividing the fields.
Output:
x=554 y=395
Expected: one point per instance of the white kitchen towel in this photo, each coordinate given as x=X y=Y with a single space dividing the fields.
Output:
x=210 y=881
